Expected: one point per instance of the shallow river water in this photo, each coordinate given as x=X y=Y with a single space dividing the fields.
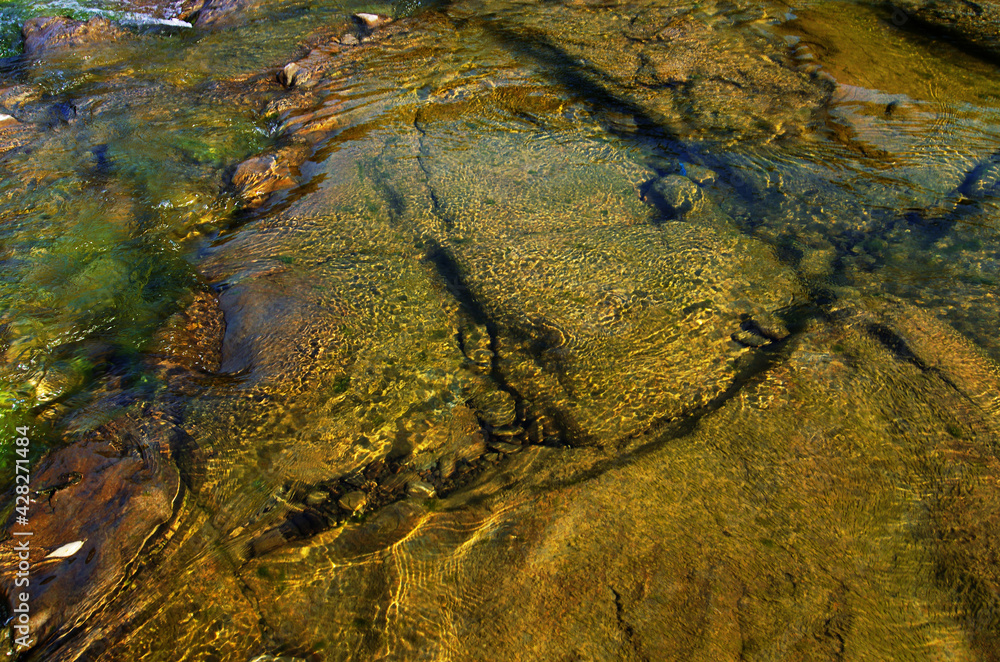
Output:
x=584 y=330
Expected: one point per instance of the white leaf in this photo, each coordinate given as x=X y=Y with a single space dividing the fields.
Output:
x=67 y=550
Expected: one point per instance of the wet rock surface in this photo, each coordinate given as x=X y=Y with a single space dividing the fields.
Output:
x=217 y=14
x=510 y=361
x=13 y=134
x=292 y=74
x=549 y=543
x=976 y=24
x=52 y=33
x=258 y=177
x=112 y=492
x=686 y=71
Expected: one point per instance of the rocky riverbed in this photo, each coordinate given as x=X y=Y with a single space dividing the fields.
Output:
x=488 y=330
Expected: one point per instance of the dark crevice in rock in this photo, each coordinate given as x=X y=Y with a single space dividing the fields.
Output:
x=377 y=477
x=901 y=350
x=627 y=630
x=582 y=80
x=759 y=363
x=65 y=480
x=891 y=341
x=450 y=272
x=320 y=506
x=437 y=207
x=527 y=416
x=837 y=628
x=382 y=183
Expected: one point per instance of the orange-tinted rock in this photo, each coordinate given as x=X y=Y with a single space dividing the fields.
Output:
x=192 y=338
x=112 y=492
x=259 y=176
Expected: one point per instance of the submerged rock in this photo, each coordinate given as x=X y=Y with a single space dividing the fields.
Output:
x=98 y=502
x=223 y=13
x=754 y=528
x=607 y=320
x=48 y=33
x=419 y=489
x=307 y=71
x=750 y=339
x=699 y=174
x=674 y=69
x=13 y=134
x=257 y=177
x=293 y=75
x=192 y=338
x=437 y=280
x=674 y=195
x=352 y=502
x=975 y=23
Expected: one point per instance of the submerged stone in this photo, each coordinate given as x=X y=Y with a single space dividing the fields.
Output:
x=352 y=502
x=977 y=24
x=256 y=178
x=49 y=33
x=467 y=258
x=421 y=490
x=574 y=283
x=109 y=493
x=675 y=69
x=700 y=174
x=770 y=483
x=675 y=195
x=292 y=75
x=317 y=497
x=750 y=339
x=215 y=14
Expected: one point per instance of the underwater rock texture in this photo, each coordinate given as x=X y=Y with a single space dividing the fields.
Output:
x=667 y=68
x=977 y=24
x=49 y=33
x=751 y=531
x=223 y=13
x=519 y=333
